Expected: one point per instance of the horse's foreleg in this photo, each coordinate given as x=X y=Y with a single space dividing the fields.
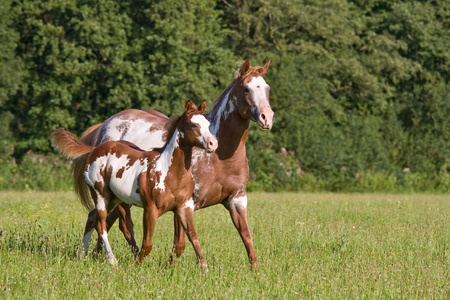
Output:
x=237 y=206
x=179 y=240
x=149 y=221
x=186 y=218
x=126 y=225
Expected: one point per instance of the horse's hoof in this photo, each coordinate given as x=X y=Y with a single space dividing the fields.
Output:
x=204 y=267
x=113 y=262
x=255 y=265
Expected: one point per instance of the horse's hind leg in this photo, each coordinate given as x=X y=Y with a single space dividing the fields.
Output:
x=110 y=219
x=102 y=203
x=179 y=240
x=126 y=225
x=186 y=217
x=89 y=229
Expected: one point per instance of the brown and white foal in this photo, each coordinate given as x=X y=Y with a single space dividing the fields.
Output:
x=159 y=180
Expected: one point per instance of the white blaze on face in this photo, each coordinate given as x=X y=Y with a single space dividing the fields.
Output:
x=201 y=121
x=165 y=160
x=258 y=87
x=137 y=131
x=125 y=186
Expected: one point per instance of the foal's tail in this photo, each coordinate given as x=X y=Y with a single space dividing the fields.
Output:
x=72 y=148
x=68 y=145
x=78 y=165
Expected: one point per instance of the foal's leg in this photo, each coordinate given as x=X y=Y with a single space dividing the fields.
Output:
x=237 y=206
x=124 y=214
x=126 y=225
x=149 y=218
x=89 y=229
x=101 y=205
x=179 y=240
x=186 y=217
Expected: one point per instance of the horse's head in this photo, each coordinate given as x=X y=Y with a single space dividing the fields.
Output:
x=196 y=127
x=253 y=95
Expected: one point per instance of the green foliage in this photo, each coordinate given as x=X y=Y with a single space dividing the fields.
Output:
x=358 y=87
x=35 y=173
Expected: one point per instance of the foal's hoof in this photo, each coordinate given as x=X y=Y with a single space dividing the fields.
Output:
x=81 y=254
x=113 y=262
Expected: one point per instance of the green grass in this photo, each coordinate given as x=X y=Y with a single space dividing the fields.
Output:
x=309 y=246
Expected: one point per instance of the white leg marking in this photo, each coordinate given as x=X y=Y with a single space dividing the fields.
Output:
x=86 y=239
x=112 y=260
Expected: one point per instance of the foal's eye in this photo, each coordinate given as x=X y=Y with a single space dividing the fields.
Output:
x=193 y=126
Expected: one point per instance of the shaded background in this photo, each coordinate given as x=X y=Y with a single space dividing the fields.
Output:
x=360 y=89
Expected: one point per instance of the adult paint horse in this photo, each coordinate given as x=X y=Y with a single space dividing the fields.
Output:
x=159 y=181
x=220 y=177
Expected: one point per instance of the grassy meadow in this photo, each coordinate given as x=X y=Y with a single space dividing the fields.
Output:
x=309 y=245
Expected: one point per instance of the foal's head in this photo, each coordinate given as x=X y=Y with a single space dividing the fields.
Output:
x=253 y=95
x=195 y=127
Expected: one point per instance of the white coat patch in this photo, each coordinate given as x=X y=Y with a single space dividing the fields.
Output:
x=241 y=201
x=221 y=111
x=125 y=187
x=165 y=160
x=137 y=131
x=190 y=204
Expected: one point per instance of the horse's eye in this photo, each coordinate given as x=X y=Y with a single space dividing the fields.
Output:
x=193 y=126
x=246 y=90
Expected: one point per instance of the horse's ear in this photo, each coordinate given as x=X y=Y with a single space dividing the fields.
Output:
x=202 y=107
x=188 y=106
x=245 y=67
x=263 y=70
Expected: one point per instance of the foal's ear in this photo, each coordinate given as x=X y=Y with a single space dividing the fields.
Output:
x=263 y=70
x=189 y=105
x=245 y=67
x=202 y=107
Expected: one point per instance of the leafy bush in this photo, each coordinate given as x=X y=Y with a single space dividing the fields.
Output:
x=35 y=172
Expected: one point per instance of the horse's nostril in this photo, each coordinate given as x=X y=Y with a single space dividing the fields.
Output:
x=263 y=116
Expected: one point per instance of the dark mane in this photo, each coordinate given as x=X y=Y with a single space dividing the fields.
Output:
x=171 y=125
x=225 y=91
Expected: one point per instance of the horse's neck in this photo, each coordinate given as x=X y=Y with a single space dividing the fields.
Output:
x=227 y=124
x=175 y=156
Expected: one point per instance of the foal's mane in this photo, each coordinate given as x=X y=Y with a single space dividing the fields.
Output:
x=237 y=75
x=171 y=125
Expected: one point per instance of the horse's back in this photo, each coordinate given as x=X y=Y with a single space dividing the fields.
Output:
x=144 y=128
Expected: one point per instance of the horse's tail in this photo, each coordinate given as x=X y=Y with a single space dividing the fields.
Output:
x=68 y=145
x=78 y=165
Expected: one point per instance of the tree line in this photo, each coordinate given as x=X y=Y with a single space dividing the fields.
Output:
x=360 y=89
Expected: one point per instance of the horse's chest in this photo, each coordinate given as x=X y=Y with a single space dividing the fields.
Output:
x=175 y=193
